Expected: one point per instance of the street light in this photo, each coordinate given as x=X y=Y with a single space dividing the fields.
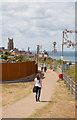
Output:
x=38 y=49
x=37 y=53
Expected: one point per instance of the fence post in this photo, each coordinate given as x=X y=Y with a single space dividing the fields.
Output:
x=64 y=77
x=75 y=90
x=66 y=80
x=72 y=86
x=69 y=84
x=66 y=74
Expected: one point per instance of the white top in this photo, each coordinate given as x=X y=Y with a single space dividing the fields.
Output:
x=37 y=82
x=45 y=65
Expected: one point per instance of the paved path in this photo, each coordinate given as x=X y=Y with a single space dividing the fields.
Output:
x=27 y=106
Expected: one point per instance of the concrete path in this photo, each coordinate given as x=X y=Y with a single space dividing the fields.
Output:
x=27 y=106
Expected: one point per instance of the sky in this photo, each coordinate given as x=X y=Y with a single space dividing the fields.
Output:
x=36 y=23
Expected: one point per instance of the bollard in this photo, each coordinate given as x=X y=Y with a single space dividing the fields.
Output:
x=60 y=76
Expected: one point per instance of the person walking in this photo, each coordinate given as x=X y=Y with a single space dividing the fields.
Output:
x=45 y=67
x=42 y=67
x=38 y=84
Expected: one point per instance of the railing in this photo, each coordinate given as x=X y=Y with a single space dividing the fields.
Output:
x=68 y=81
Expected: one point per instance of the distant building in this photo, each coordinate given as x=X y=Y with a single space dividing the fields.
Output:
x=1 y=52
x=2 y=48
x=16 y=50
x=10 y=44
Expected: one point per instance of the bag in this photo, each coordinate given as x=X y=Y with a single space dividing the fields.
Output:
x=34 y=89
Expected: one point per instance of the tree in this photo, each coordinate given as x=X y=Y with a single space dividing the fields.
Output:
x=6 y=53
x=19 y=58
x=4 y=57
x=45 y=59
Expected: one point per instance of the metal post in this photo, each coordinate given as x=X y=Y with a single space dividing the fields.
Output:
x=72 y=86
x=66 y=80
x=66 y=74
x=69 y=84
x=38 y=47
x=75 y=90
x=64 y=77
x=37 y=53
x=62 y=43
x=62 y=50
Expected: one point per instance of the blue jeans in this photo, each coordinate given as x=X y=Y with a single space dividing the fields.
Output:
x=38 y=92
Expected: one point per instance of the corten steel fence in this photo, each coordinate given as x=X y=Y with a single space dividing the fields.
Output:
x=68 y=81
x=12 y=71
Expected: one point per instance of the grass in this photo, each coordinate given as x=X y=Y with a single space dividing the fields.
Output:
x=61 y=105
x=71 y=72
x=59 y=80
x=15 y=91
x=50 y=61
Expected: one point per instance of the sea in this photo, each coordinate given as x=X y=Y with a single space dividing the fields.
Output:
x=67 y=55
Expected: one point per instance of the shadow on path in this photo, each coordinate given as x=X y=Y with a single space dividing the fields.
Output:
x=16 y=81
x=45 y=101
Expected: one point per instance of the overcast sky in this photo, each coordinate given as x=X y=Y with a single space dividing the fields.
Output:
x=33 y=23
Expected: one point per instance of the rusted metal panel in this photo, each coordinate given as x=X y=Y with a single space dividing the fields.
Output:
x=12 y=71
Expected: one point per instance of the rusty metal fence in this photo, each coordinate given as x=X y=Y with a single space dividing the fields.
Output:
x=13 y=71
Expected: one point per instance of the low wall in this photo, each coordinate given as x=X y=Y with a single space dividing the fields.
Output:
x=13 y=71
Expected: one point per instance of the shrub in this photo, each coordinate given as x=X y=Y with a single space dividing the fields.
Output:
x=4 y=57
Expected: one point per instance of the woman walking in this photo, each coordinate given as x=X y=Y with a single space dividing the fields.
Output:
x=42 y=67
x=45 y=67
x=38 y=84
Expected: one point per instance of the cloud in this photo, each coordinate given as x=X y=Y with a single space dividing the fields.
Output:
x=0 y=23
x=36 y=23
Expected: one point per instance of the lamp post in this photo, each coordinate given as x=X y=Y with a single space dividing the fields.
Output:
x=37 y=53
x=62 y=43
x=62 y=51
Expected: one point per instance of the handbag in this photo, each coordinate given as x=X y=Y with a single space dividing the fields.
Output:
x=34 y=89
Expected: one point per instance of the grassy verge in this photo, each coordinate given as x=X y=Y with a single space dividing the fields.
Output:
x=50 y=62
x=61 y=105
x=71 y=72
x=15 y=91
